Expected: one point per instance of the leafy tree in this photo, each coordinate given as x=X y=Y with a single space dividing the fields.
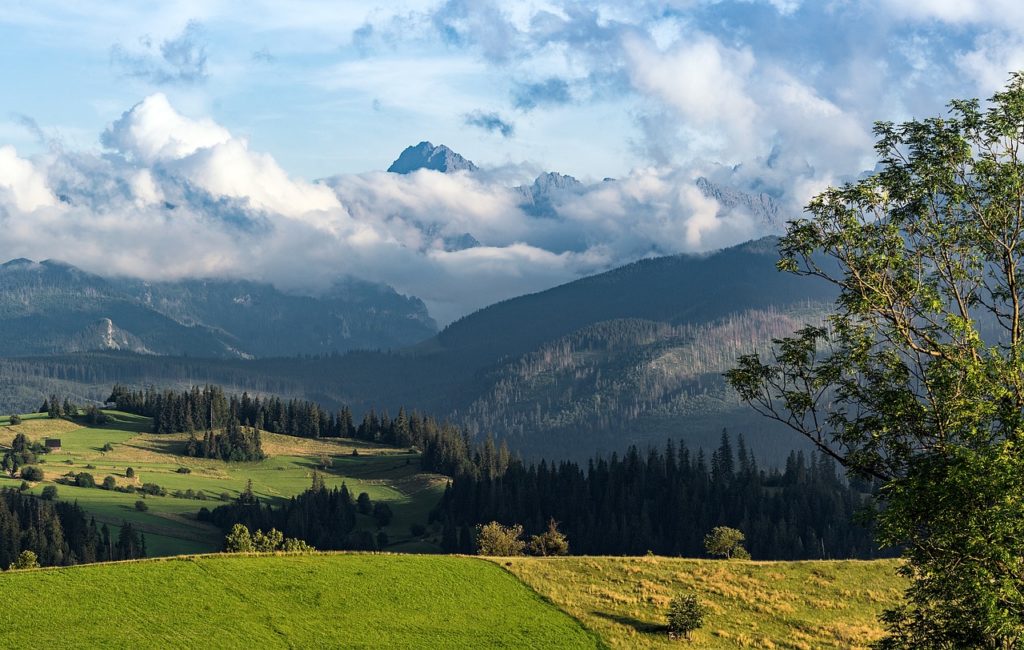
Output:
x=495 y=539
x=685 y=614
x=15 y=419
x=239 y=540
x=49 y=493
x=129 y=473
x=726 y=542
x=32 y=473
x=550 y=542
x=26 y=560
x=363 y=503
x=141 y=505
x=292 y=545
x=109 y=483
x=382 y=514
x=267 y=542
x=85 y=479
x=918 y=380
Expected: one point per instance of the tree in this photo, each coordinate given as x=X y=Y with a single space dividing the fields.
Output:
x=32 y=473
x=239 y=540
x=15 y=419
x=550 y=542
x=141 y=505
x=129 y=473
x=726 y=542
x=363 y=503
x=49 y=493
x=495 y=539
x=685 y=614
x=109 y=483
x=85 y=479
x=267 y=542
x=26 y=560
x=917 y=381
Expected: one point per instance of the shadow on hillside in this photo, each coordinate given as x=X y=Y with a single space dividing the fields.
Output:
x=643 y=627
x=174 y=447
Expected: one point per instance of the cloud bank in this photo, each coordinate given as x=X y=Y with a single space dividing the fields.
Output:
x=175 y=196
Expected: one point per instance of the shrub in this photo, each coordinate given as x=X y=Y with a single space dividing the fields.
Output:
x=107 y=447
x=26 y=560
x=109 y=483
x=292 y=545
x=495 y=539
x=183 y=470
x=154 y=489
x=15 y=419
x=129 y=473
x=267 y=542
x=141 y=506
x=238 y=540
x=85 y=479
x=32 y=473
x=90 y=466
x=550 y=542
x=24 y=486
x=685 y=614
x=50 y=493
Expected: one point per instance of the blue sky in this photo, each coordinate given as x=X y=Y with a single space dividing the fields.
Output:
x=774 y=95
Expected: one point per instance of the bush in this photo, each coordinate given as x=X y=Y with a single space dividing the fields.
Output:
x=15 y=419
x=495 y=539
x=239 y=540
x=85 y=479
x=26 y=560
x=129 y=473
x=109 y=483
x=32 y=473
x=141 y=506
x=183 y=470
x=685 y=614
x=154 y=489
x=550 y=542
x=107 y=447
x=50 y=493
x=24 y=486
x=90 y=466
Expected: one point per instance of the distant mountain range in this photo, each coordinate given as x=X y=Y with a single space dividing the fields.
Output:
x=51 y=308
x=633 y=355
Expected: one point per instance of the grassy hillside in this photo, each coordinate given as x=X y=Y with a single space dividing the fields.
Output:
x=319 y=601
x=407 y=601
x=800 y=605
x=170 y=526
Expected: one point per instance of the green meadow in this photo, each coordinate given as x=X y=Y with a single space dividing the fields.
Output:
x=169 y=523
x=339 y=600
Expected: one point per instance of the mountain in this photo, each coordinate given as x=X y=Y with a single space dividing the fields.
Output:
x=761 y=206
x=427 y=156
x=538 y=197
x=52 y=308
x=631 y=356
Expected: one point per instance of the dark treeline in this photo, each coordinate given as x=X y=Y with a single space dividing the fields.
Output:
x=445 y=448
x=666 y=501
x=322 y=517
x=59 y=533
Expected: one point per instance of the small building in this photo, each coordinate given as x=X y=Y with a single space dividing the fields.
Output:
x=52 y=444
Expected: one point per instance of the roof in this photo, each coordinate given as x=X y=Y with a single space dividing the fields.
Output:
x=53 y=442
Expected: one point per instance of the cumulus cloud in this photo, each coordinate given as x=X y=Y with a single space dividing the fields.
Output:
x=177 y=196
x=490 y=122
x=178 y=60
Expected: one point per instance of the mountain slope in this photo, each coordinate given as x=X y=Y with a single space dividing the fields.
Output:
x=53 y=308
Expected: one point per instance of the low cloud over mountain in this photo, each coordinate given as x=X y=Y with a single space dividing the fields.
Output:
x=171 y=196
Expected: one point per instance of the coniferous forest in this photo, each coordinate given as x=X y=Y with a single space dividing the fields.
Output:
x=59 y=533
x=665 y=502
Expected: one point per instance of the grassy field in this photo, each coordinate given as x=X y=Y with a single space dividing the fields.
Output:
x=802 y=605
x=318 y=601
x=386 y=474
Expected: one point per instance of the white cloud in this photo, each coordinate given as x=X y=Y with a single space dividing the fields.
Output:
x=24 y=186
x=176 y=197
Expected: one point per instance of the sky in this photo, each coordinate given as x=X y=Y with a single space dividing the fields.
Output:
x=248 y=140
